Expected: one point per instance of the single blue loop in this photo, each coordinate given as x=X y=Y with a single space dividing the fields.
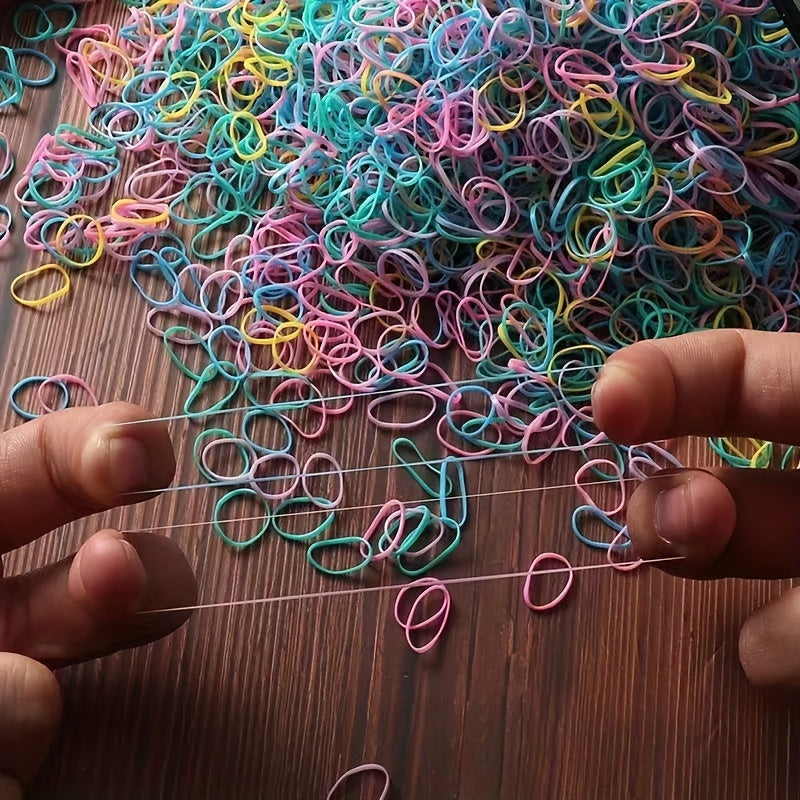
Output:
x=446 y=498
x=49 y=76
x=595 y=512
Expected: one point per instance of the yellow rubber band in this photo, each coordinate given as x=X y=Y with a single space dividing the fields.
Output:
x=275 y=338
x=504 y=126
x=190 y=100
x=777 y=146
x=39 y=302
x=314 y=359
x=710 y=83
x=671 y=76
x=101 y=240
x=116 y=215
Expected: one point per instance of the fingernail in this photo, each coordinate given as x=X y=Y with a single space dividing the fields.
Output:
x=128 y=464
x=673 y=514
x=77 y=562
x=612 y=371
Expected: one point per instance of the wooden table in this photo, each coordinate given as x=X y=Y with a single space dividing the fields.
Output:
x=632 y=689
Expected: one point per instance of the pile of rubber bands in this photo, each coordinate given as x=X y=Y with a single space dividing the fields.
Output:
x=343 y=191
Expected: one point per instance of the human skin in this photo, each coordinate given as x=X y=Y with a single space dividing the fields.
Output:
x=724 y=522
x=54 y=470
x=77 y=462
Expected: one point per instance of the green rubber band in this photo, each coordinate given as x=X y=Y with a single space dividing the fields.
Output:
x=342 y=541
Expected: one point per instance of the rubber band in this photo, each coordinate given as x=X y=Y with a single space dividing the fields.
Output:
x=364 y=768
x=218 y=523
x=620 y=542
x=616 y=475
x=242 y=448
x=303 y=536
x=307 y=470
x=40 y=302
x=293 y=479
x=437 y=619
x=312 y=554
x=526 y=591
x=330 y=201
x=31 y=381
x=64 y=380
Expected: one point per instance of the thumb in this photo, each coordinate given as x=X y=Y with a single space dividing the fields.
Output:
x=30 y=708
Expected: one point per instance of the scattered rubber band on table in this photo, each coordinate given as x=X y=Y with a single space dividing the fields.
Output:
x=36 y=380
x=361 y=770
x=61 y=380
x=559 y=598
x=355 y=194
x=436 y=619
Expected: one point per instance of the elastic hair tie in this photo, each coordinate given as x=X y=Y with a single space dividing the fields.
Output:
x=307 y=470
x=218 y=523
x=360 y=770
x=40 y=302
x=526 y=591
x=621 y=541
x=64 y=379
x=347 y=542
x=437 y=619
x=31 y=381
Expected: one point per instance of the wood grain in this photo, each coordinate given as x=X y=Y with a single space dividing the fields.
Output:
x=631 y=690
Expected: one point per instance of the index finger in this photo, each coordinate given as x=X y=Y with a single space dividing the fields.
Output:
x=73 y=463
x=709 y=383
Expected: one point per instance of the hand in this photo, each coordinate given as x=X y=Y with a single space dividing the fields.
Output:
x=54 y=470
x=726 y=522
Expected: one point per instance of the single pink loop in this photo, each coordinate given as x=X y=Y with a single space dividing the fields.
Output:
x=614 y=468
x=305 y=401
x=357 y=771
x=614 y=545
x=67 y=379
x=526 y=591
x=438 y=618
x=551 y=419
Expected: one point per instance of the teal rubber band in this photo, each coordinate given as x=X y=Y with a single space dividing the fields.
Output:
x=209 y=374
x=413 y=572
x=342 y=541
x=431 y=489
x=300 y=537
x=169 y=345
x=217 y=523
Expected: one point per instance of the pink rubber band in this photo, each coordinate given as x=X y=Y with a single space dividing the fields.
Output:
x=526 y=591
x=357 y=771
x=430 y=586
